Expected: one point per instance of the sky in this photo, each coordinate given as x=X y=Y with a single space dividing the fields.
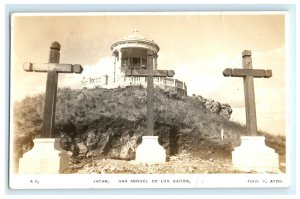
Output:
x=198 y=47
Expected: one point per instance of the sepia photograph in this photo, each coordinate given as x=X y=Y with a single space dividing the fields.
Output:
x=149 y=100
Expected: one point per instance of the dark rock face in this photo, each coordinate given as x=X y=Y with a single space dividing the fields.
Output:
x=107 y=137
x=123 y=146
x=110 y=123
x=118 y=138
x=116 y=141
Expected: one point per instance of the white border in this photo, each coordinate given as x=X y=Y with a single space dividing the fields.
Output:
x=62 y=181
x=125 y=181
x=235 y=193
x=151 y=13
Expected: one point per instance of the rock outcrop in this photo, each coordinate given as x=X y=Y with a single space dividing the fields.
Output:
x=214 y=107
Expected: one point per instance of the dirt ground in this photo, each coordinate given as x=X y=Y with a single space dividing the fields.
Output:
x=200 y=162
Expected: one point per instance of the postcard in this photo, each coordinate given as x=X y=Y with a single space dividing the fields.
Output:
x=149 y=100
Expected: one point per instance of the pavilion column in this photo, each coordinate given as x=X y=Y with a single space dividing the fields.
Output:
x=155 y=56
x=115 y=66
x=120 y=59
x=119 y=65
x=154 y=62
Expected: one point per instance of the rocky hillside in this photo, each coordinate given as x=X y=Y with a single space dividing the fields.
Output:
x=109 y=123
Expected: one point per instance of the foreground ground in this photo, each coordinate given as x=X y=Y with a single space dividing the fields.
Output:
x=183 y=163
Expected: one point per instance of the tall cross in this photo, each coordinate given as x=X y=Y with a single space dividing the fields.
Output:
x=150 y=73
x=52 y=69
x=248 y=73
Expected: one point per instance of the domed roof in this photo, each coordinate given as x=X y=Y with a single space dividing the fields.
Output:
x=135 y=38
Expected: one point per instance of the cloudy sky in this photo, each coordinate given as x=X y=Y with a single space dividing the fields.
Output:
x=197 y=46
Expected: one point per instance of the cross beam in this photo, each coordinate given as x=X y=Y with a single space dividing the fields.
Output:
x=52 y=68
x=248 y=74
x=59 y=68
x=237 y=72
x=150 y=73
x=147 y=73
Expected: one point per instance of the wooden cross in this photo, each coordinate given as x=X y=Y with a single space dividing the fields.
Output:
x=150 y=73
x=52 y=68
x=248 y=73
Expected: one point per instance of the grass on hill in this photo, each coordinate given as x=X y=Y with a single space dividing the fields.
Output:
x=77 y=110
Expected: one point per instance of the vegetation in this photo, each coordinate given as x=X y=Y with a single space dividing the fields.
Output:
x=119 y=111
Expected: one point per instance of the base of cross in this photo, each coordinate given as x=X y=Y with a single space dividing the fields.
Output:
x=46 y=157
x=254 y=155
x=150 y=151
